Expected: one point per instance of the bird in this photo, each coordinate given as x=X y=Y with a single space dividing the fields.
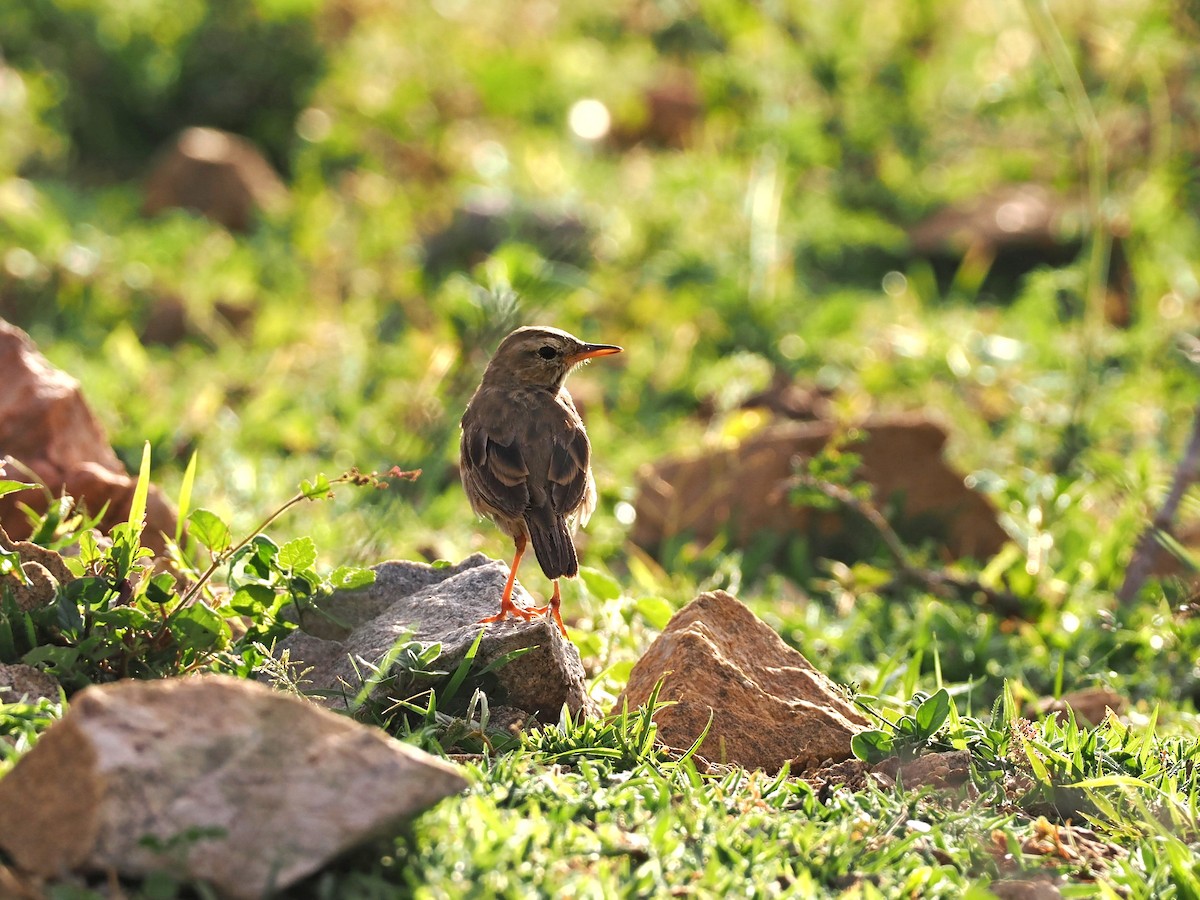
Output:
x=525 y=456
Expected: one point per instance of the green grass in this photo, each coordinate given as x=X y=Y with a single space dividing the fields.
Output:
x=773 y=242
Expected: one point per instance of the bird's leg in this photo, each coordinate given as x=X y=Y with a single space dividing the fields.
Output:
x=507 y=607
x=555 y=603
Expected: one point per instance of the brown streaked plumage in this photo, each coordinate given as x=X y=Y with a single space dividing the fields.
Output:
x=526 y=460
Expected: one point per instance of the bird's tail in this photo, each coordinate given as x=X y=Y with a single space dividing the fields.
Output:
x=552 y=543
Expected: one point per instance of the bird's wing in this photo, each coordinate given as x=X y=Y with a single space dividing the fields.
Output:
x=571 y=487
x=496 y=471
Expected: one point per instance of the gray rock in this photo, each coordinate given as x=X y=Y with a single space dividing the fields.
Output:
x=415 y=601
x=208 y=778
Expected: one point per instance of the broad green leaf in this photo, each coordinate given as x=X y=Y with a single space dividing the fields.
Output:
x=655 y=610
x=55 y=514
x=70 y=619
x=298 y=554
x=600 y=585
x=11 y=487
x=872 y=746
x=260 y=555
x=161 y=589
x=89 y=550
x=931 y=714
x=303 y=584
x=128 y=618
x=59 y=659
x=317 y=488
x=252 y=600
x=210 y=531
x=957 y=740
x=199 y=627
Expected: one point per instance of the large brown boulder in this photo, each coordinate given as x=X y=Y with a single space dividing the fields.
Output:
x=768 y=704
x=742 y=491
x=46 y=425
x=989 y=241
x=217 y=174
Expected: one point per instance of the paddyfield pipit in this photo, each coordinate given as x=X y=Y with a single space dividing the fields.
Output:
x=526 y=460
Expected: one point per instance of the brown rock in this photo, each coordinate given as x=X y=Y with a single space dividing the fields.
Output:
x=1017 y=214
x=936 y=770
x=488 y=221
x=995 y=238
x=1090 y=705
x=941 y=771
x=265 y=793
x=168 y=322
x=47 y=426
x=768 y=704
x=20 y=682
x=44 y=571
x=743 y=489
x=852 y=775
x=221 y=176
x=237 y=316
x=671 y=114
x=787 y=399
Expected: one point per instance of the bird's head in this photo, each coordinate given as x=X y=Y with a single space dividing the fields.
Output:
x=539 y=356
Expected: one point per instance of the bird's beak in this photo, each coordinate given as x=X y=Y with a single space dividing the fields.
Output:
x=587 y=351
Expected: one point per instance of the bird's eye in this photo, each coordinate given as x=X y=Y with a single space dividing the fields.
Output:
x=547 y=352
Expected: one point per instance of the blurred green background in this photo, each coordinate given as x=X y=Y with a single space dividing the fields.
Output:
x=746 y=213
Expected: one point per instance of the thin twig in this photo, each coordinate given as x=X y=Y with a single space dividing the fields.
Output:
x=1142 y=563
x=219 y=559
x=941 y=584
x=354 y=476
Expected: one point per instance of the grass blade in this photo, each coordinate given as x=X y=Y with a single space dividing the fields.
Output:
x=185 y=495
x=137 y=507
x=460 y=674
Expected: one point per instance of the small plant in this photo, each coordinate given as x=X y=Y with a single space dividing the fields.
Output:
x=834 y=464
x=910 y=734
x=432 y=713
x=622 y=741
x=21 y=724
x=121 y=619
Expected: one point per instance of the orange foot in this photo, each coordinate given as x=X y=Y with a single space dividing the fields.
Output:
x=508 y=608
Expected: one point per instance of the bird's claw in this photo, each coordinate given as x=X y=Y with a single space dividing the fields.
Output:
x=508 y=608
